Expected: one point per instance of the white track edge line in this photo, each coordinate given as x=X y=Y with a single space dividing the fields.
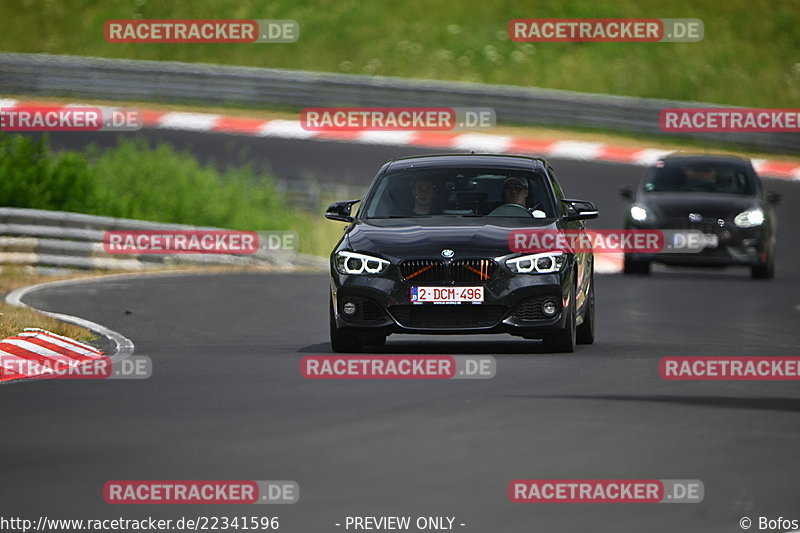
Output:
x=123 y=346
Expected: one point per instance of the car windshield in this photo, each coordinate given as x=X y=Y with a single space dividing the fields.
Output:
x=468 y=192
x=699 y=177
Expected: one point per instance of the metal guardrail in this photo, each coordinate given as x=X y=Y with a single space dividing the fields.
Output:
x=173 y=82
x=315 y=196
x=71 y=240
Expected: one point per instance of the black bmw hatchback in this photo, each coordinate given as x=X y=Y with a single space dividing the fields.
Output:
x=429 y=252
x=720 y=196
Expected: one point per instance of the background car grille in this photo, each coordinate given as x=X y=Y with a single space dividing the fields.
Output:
x=706 y=226
x=461 y=270
x=448 y=316
x=472 y=269
x=531 y=308
x=422 y=270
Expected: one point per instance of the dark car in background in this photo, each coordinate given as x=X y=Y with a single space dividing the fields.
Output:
x=428 y=253
x=720 y=196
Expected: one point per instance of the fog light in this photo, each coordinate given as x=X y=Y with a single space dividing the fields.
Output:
x=349 y=309
x=549 y=308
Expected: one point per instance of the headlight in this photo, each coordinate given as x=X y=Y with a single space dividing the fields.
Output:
x=353 y=263
x=544 y=263
x=749 y=218
x=640 y=213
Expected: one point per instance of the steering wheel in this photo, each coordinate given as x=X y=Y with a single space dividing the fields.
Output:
x=509 y=210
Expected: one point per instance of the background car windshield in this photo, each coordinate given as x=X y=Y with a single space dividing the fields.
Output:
x=697 y=177
x=460 y=192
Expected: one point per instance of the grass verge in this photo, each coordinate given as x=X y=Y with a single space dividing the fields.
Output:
x=748 y=55
x=14 y=319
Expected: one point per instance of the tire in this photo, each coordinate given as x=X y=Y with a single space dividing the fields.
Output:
x=343 y=341
x=584 y=334
x=765 y=270
x=563 y=341
x=641 y=268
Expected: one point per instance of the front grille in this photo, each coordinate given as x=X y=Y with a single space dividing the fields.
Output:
x=423 y=270
x=706 y=226
x=435 y=271
x=366 y=310
x=448 y=316
x=466 y=270
x=531 y=308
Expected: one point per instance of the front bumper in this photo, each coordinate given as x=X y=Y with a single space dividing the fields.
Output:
x=512 y=304
x=737 y=247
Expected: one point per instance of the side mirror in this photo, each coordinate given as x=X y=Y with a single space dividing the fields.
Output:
x=340 y=211
x=580 y=210
x=626 y=192
x=774 y=198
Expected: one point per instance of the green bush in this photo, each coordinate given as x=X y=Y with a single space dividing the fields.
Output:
x=134 y=180
x=32 y=176
x=137 y=181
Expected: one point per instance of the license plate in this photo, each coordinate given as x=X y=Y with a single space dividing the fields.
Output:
x=447 y=294
x=693 y=241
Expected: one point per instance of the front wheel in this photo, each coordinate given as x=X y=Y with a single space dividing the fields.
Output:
x=343 y=340
x=563 y=340
x=585 y=332
x=764 y=270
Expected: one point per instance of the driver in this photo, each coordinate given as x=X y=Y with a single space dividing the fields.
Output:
x=702 y=174
x=422 y=191
x=515 y=191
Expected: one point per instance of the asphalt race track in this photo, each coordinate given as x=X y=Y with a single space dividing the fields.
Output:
x=227 y=401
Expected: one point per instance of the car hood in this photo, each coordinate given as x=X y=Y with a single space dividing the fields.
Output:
x=679 y=205
x=426 y=238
